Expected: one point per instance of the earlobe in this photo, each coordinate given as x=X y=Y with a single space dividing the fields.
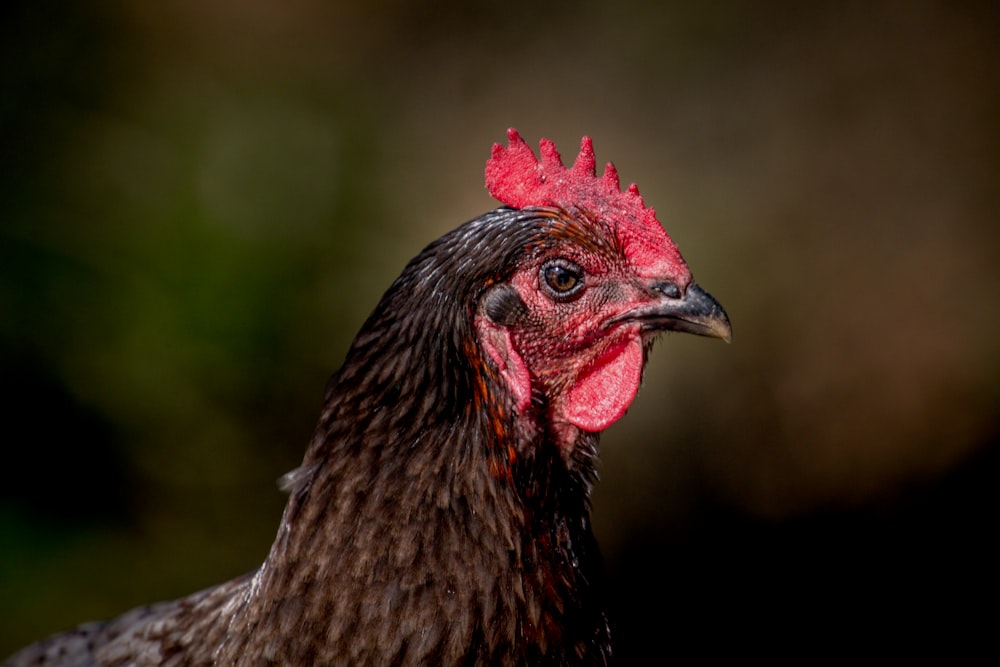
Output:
x=497 y=343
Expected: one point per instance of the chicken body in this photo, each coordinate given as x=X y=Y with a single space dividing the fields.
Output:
x=441 y=513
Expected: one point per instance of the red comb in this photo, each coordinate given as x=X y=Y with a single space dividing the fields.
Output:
x=516 y=178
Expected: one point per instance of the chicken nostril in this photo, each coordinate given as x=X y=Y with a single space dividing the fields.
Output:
x=669 y=290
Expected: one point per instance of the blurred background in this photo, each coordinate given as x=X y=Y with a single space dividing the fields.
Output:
x=200 y=202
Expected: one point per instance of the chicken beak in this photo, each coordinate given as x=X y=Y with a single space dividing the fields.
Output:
x=695 y=312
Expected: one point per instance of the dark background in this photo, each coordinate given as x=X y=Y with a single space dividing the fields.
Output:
x=201 y=201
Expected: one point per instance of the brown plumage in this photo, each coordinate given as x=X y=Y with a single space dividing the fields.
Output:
x=441 y=513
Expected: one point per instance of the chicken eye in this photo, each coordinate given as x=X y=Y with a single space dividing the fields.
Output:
x=562 y=277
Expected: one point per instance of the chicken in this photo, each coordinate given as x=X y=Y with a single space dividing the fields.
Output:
x=441 y=513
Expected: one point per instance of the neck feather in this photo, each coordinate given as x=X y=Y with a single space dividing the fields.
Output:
x=424 y=497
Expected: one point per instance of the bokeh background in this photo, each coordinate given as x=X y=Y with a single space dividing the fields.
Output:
x=201 y=201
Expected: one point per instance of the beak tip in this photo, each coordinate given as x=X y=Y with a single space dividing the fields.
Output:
x=722 y=330
x=725 y=329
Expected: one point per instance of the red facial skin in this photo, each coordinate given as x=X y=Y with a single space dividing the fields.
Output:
x=580 y=351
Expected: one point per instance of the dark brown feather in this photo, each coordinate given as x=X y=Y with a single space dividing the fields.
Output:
x=429 y=522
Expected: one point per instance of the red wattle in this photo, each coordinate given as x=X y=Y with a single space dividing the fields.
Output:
x=604 y=391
